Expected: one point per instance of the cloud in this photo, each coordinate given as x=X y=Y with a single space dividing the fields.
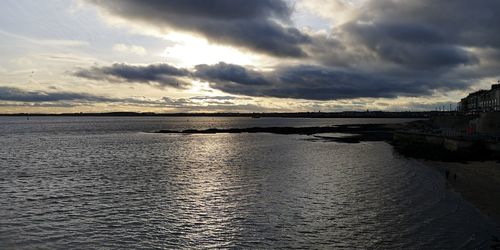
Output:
x=15 y=97
x=459 y=22
x=39 y=105
x=223 y=72
x=414 y=35
x=133 y=49
x=219 y=98
x=411 y=45
x=299 y=82
x=259 y=25
x=343 y=10
x=436 y=45
x=214 y=103
x=316 y=83
x=162 y=75
x=378 y=49
x=18 y=95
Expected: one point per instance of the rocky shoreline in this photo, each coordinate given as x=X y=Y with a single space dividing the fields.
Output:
x=414 y=139
x=357 y=133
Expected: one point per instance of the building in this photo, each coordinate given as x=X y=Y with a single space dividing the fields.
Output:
x=481 y=101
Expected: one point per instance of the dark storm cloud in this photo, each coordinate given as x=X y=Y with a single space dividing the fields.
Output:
x=249 y=24
x=414 y=34
x=458 y=22
x=426 y=34
x=392 y=48
x=303 y=81
x=161 y=74
x=410 y=45
x=18 y=95
x=317 y=83
x=223 y=72
x=413 y=47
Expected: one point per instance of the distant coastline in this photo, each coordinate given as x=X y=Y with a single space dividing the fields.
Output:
x=344 y=114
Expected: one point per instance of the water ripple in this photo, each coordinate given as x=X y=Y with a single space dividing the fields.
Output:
x=139 y=190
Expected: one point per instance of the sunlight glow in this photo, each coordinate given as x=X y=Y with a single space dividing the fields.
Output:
x=189 y=51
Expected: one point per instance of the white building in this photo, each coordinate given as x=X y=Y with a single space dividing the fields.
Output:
x=481 y=101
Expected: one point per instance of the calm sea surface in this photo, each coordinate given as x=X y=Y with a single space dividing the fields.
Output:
x=104 y=182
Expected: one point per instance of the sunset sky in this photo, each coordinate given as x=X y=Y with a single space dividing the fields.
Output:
x=244 y=56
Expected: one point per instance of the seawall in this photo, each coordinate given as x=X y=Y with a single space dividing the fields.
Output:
x=451 y=148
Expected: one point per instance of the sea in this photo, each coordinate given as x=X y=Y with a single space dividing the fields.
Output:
x=110 y=183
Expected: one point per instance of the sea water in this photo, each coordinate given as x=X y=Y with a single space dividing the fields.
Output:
x=107 y=182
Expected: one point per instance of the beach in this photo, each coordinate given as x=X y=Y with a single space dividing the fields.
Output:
x=477 y=182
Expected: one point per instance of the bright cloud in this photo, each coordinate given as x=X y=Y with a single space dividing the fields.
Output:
x=134 y=49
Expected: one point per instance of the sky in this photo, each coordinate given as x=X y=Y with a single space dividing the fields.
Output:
x=245 y=56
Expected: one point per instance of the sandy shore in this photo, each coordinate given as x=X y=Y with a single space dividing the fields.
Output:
x=478 y=182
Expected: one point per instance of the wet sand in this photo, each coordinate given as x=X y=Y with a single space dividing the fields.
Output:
x=478 y=182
